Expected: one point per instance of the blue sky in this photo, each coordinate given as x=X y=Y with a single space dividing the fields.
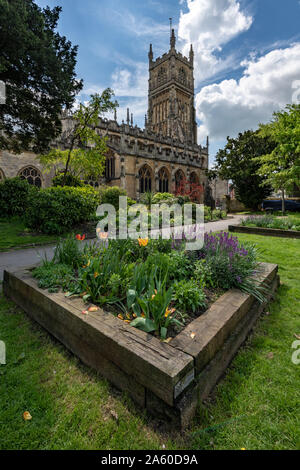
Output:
x=247 y=54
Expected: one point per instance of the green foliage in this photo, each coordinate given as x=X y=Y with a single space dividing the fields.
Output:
x=68 y=252
x=269 y=221
x=188 y=296
x=280 y=165
x=203 y=274
x=53 y=276
x=85 y=154
x=111 y=194
x=179 y=265
x=237 y=162
x=38 y=67
x=14 y=196
x=147 y=198
x=68 y=180
x=168 y=198
x=105 y=278
x=56 y=210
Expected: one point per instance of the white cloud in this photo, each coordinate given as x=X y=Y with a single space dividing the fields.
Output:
x=233 y=106
x=209 y=25
x=132 y=82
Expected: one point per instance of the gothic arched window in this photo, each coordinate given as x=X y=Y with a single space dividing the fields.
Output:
x=145 y=177
x=92 y=181
x=31 y=175
x=110 y=167
x=2 y=176
x=163 y=178
x=179 y=178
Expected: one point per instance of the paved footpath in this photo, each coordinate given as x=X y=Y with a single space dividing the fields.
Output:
x=30 y=256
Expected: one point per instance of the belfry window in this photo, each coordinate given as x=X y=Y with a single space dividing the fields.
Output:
x=182 y=75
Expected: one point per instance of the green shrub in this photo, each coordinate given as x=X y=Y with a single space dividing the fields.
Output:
x=167 y=198
x=57 y=210
x=54 y=276
x=110 y=195
x=14 y=196
x=188 y=296
x=70 y=180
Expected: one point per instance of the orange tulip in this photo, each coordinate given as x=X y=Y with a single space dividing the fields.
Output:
x=143 y=241
x=96 y=275
x=80 y=237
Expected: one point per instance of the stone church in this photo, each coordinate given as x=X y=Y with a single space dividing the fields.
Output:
x=156 y=158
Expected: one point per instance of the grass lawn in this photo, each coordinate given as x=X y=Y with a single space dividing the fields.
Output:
x=256 y=406
x=14 y=234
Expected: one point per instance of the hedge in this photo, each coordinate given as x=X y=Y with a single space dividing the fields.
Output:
x=14 y=196
x=59 y=209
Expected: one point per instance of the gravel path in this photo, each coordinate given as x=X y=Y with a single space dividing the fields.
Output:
x=30 y=256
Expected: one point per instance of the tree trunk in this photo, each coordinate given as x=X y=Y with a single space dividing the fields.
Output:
x=283 y=202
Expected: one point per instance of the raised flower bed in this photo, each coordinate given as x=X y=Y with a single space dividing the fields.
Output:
x=160 y=335
x=269 y=225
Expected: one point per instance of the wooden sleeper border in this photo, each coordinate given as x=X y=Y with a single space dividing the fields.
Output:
x=269 y=232
x=167 y=379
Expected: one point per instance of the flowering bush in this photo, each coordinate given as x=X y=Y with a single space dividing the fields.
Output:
x=230 y=263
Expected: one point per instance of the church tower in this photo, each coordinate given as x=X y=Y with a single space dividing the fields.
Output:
x=171 y=110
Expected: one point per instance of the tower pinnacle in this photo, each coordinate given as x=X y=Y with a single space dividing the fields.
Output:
x=150 y=55
x=173 y=39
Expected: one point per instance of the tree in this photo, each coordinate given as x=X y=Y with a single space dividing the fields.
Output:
x=85 y=154
x=190 y=189
x=38 y=67
x=281 y=165
x=236 y=162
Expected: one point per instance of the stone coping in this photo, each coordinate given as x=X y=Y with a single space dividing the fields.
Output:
x=165 y=378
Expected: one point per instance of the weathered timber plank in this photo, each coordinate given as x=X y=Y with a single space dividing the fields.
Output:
x=148 y=361
x=268 y=232
x=203 y=337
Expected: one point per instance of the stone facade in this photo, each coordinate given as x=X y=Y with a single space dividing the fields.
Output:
x=156 y=158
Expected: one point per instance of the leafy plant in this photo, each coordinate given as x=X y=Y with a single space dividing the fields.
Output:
x=67 y=180
x=53 y=276
x=188 y=296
